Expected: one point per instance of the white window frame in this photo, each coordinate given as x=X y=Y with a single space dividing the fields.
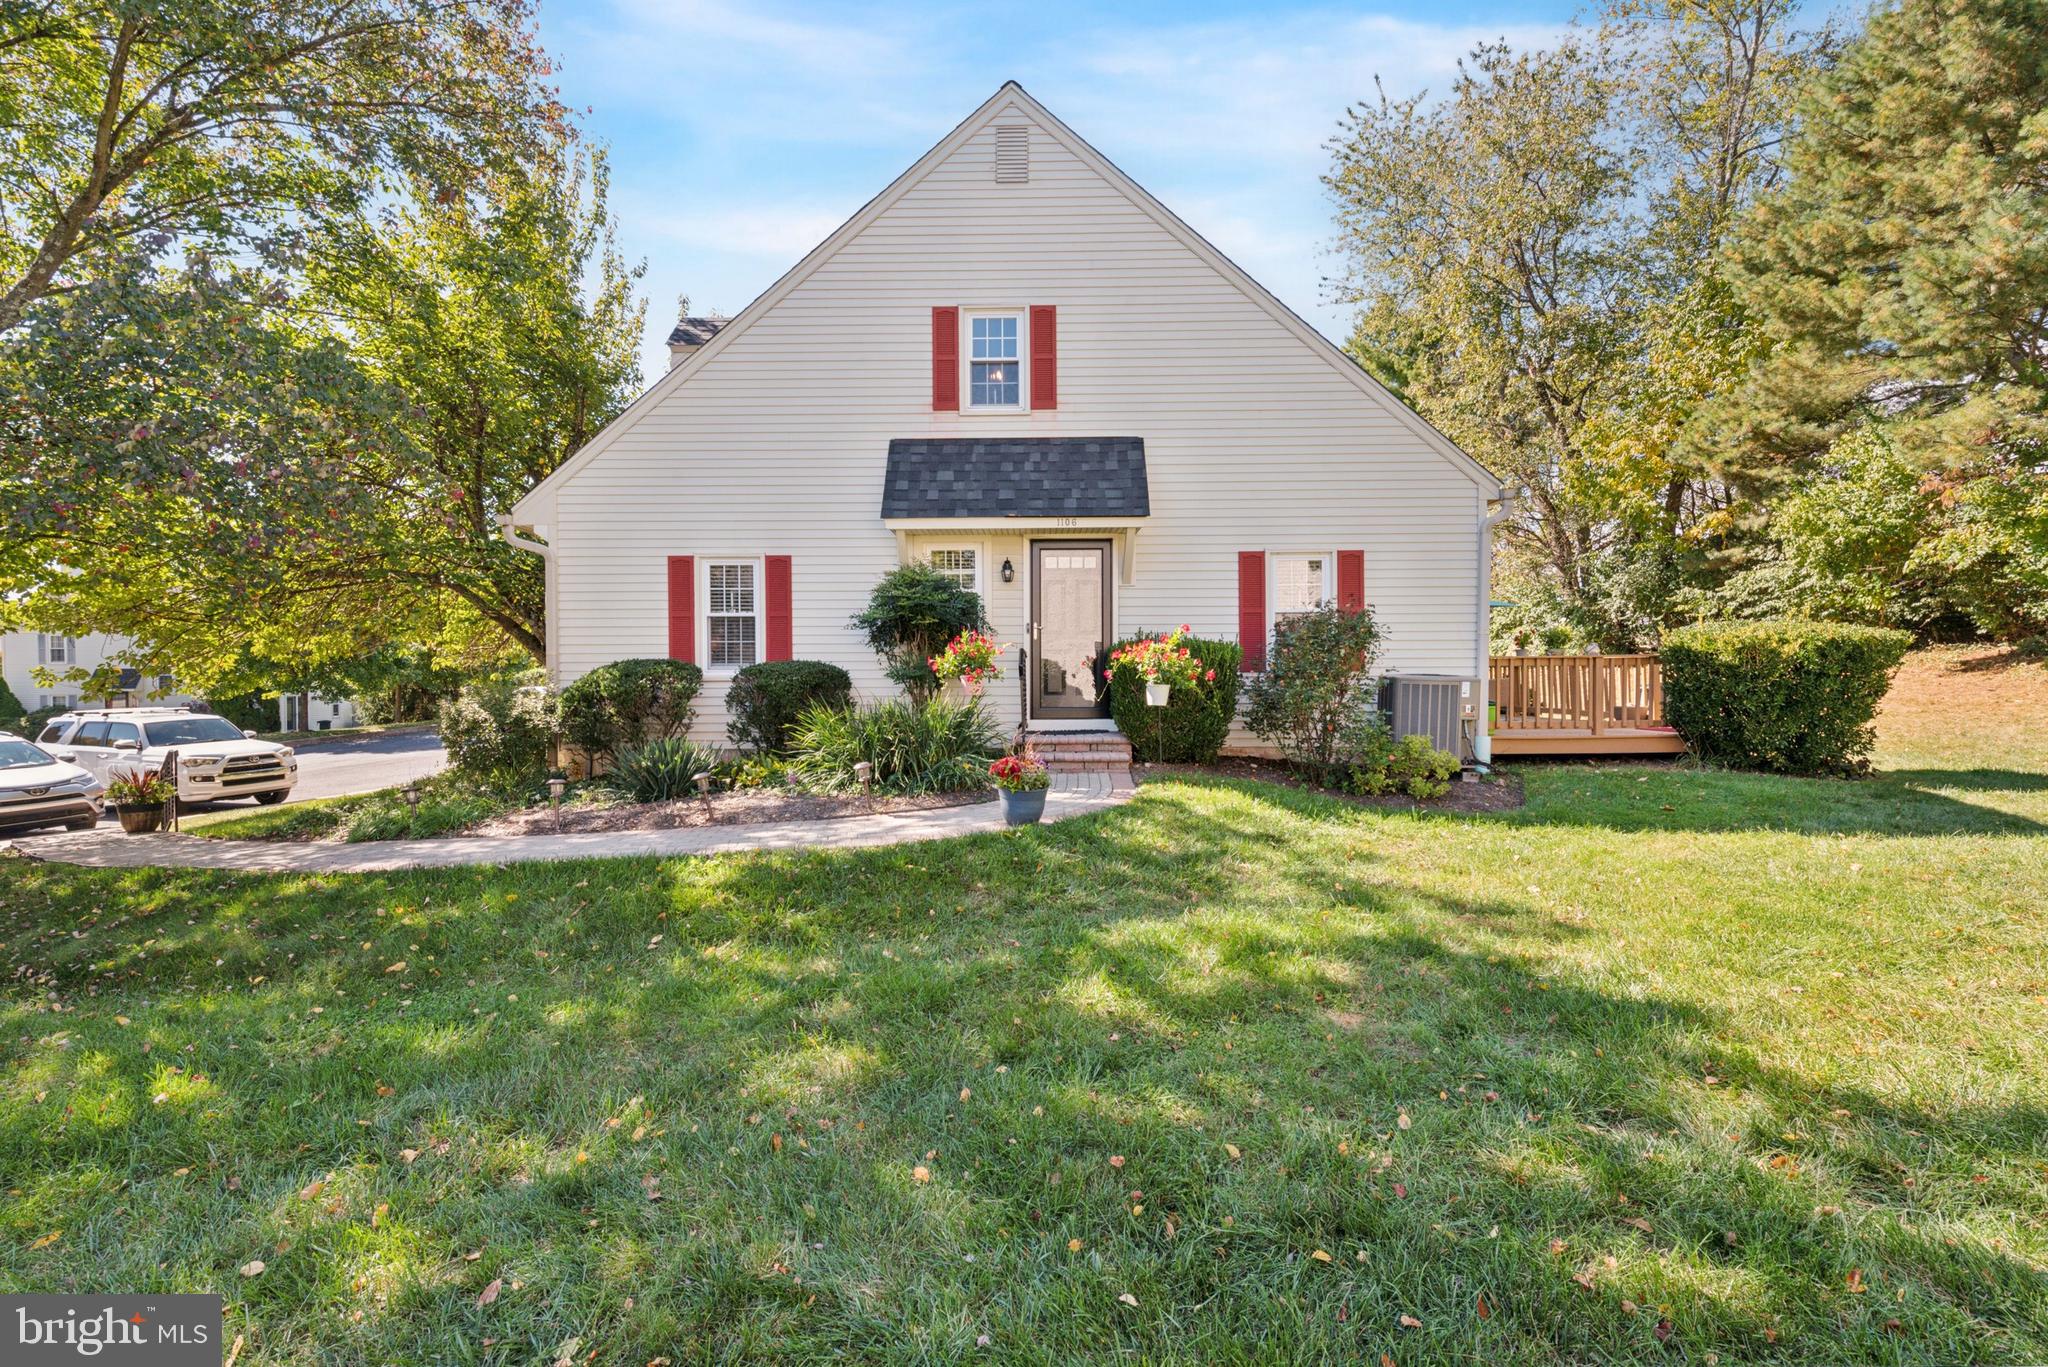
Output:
x=980 y=553
x=1329 y=594
x=759 y=567
x=967 y=403
x=60 y=650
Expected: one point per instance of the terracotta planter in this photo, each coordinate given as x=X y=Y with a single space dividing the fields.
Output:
x=1156 y=694
x=1023 y=809
x=141 y=820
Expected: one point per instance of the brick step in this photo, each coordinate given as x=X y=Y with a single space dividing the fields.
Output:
x=1071 y=751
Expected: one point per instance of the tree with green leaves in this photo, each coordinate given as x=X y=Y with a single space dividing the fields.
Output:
x=135 y=125
x=1491 y=244
x=423 y=369
x=1902 y=267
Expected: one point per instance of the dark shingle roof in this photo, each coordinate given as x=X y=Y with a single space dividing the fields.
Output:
x=1017 y=477
x=696 y=331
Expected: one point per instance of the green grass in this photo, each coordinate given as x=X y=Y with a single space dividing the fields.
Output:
x=1668 y=1052
x=448 y=803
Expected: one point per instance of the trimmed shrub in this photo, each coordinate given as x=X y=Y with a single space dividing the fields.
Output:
x=1785 y=696
x=1195 y=721
x=628 y=703
x=32 y=725
x=766 y=699
x=662 y=770
x=913 y=612
x=12 y=709
x=935 y=746
x=1316 y=687
x=499 y=731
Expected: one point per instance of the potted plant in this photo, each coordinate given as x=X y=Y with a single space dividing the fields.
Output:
x=140 y=797
x=1022 y=781
x=969 y=657
x=1162 y=662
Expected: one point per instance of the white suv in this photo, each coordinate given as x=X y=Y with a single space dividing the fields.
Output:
x=215 y=760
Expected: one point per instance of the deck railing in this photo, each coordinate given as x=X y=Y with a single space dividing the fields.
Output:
x=1589 y=693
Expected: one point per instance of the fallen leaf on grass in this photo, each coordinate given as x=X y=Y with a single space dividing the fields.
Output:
x=1484 y=1310
x=398 y=967
x=1410 y=1322
x=920 y=1173
x=408 y=1155
x=490 y=1293
x=1403 y=1121
x=312 y=1188
x=1639 y=1223
x=1074 y=1245
x=1855 y=1282
x=1663 y=1330
x=1128 y=1299
x=52 y=1237
x=253 y=1268
x=1116 y=1160
x=1231 y=1149
x=1320 y=1256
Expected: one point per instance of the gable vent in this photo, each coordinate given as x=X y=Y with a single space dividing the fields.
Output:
x=1013 y=155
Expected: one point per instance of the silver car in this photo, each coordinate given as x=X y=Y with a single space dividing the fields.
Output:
x=38 y=788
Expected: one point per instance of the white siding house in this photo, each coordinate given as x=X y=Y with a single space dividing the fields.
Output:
x=23 y=653
x=1145 y=417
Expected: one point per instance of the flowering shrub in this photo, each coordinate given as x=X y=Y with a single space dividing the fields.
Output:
x=141 y=788
x=1163 y=660
x=969 y=657
x=1019 y=774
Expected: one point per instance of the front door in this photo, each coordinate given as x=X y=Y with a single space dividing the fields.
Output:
x=1069 y=629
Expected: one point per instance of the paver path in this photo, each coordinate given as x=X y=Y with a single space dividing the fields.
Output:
x=1071 y=795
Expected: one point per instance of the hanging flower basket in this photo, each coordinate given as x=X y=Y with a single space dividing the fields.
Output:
x=969 y=657
x=1156 y=694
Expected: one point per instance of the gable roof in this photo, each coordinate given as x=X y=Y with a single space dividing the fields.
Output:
x=1016 y=477
x=523 y=513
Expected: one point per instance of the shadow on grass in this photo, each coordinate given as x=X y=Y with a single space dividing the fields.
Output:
x=1243 y=965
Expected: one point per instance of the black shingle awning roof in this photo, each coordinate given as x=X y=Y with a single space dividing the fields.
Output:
x=1016 y=477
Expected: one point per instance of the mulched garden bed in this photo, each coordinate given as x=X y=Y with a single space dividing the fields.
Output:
x=745 y=807
x=1496 y=793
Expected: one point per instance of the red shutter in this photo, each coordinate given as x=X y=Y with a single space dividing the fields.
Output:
x=945 y=360
x=1045 y=357
x=1351 y=581
x=682 y=608
x=777 y=567
x=1251 y=609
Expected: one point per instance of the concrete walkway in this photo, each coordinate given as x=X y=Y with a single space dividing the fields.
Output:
x=1072 y=795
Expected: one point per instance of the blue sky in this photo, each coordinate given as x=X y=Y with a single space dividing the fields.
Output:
x=743 y=133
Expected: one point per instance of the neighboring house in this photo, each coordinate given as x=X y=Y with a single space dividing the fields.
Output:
x=24 y=652
x=311 y=712
x=1015 y=364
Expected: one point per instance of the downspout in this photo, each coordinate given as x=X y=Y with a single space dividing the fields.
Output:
x=546 y=553
x=1497 y=509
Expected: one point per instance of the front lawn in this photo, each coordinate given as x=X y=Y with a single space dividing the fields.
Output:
x=1668 y=1065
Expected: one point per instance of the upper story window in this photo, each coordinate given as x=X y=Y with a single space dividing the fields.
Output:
x=732 y=614
x=995 y=367
x=60 y=650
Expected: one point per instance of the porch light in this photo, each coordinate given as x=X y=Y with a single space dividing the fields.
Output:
x=1009 y=572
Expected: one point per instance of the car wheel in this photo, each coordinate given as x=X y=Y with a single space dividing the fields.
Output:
x=271 y=799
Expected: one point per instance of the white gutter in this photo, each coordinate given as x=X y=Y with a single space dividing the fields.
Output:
x=511 y=537
x=1497 y=509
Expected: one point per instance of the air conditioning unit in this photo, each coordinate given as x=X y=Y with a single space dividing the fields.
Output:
x=1433 y=705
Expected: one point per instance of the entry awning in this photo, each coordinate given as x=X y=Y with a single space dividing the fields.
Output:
x=964 y=482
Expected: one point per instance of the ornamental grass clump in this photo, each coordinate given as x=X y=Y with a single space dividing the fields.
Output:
x=937 y=746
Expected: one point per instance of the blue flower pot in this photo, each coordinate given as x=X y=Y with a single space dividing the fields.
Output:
x=1023 y=809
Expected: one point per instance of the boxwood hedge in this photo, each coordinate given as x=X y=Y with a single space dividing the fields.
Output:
x=1195 y=721
x=1785 y=696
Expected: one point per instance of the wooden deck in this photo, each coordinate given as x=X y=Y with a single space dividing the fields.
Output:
x=1579 y=705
